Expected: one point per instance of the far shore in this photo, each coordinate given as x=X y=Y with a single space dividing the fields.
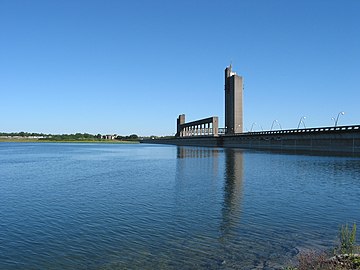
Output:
x=25 y=140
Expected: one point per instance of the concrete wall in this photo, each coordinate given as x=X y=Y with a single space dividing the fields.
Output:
x=332 y=143
x=238 y=104
x=207 y=141
x=329 y=143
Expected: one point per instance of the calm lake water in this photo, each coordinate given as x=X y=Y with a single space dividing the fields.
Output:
x=104 y=206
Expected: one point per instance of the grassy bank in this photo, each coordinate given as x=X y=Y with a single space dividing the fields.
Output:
x=345 y=256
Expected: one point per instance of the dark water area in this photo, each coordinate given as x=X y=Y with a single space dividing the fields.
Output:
x=97 y=206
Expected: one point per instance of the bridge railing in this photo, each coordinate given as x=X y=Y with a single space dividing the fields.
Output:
x=354 y=128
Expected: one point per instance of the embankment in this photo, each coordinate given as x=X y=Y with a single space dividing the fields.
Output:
x=343 y=140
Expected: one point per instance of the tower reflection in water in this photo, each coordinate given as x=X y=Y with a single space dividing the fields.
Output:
x=233 y=191
x=220 y=168
x=209 y=154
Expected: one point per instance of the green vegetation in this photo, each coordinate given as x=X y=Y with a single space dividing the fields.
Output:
x=132 y=137
x=347 y=239
x=344 y=257
x=71 y=137
x=77 y=137
x=22 y=134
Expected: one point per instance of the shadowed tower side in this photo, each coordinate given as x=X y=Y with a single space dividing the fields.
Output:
x=233 y=102
x=179 y=121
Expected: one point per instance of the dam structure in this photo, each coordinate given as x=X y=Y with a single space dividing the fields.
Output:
x=338 y=140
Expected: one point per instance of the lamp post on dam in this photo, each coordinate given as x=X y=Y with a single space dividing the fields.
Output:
x=302 y=119
x=337 y=118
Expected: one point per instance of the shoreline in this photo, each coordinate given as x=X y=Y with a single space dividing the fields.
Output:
x=65 y=141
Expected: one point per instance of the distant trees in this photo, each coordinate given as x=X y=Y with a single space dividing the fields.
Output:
x=73 y=137
x=132 y=137
x=22 y=134
x=69 y=137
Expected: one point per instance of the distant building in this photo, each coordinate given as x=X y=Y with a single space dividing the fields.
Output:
x=109 y=137
x=233 y=102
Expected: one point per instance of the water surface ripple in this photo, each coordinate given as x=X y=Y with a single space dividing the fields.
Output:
x=97 y=206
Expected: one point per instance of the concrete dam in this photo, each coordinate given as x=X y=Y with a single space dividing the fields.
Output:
x=342 y=140
x=338 y=140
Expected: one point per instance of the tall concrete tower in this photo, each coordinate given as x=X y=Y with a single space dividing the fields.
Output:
x=233 y=102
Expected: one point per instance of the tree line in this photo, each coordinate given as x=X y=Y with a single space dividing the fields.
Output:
x=69 y=137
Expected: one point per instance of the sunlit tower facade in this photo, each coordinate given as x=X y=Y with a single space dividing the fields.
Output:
x=233 y=102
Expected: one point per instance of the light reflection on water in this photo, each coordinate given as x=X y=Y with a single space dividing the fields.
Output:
x=95 y=206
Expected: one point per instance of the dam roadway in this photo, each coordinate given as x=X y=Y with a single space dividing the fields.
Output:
x=340 y=140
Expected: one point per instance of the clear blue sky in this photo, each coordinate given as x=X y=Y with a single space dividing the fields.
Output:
x=133 y=66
